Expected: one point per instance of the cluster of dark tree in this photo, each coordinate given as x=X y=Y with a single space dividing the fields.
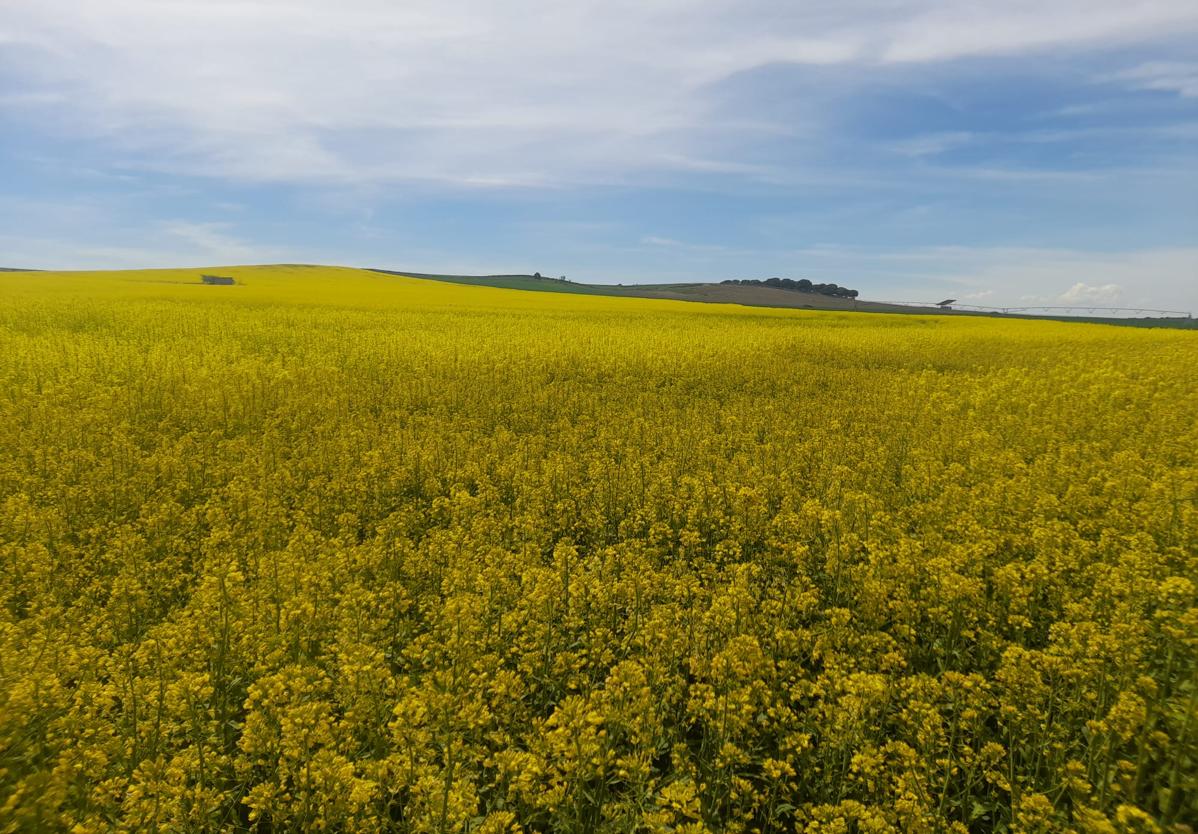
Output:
x=801 y=285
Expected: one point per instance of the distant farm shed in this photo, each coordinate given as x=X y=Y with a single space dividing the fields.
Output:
x=217 y=279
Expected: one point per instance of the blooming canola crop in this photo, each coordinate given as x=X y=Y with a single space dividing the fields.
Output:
x=331 y=550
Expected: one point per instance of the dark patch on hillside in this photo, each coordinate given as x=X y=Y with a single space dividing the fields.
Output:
x=790 y=284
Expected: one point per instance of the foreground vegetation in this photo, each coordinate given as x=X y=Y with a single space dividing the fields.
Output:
x=342 y=551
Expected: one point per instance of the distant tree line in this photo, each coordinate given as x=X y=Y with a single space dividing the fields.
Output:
x=801 y=285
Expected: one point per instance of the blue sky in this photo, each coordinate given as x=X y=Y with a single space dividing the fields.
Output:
x=1004 y=152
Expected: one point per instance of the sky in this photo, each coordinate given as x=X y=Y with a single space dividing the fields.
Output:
x=1005 y=152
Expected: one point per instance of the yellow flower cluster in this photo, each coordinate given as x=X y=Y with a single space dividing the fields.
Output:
x=329 y=550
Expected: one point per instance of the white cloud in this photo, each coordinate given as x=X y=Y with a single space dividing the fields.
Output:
x=480 y=93
x=940 y=30
x=1168 y=76
x=1083 y=293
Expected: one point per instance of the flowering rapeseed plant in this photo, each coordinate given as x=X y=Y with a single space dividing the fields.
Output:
x=328 y=550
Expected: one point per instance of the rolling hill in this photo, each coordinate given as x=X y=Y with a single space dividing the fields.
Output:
x=761 y=296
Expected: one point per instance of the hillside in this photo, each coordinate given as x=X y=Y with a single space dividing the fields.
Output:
x=762 y=296
x=714 y=293
x=509 y=282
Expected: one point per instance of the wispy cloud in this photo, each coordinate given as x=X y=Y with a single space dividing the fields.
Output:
x=1082 y=293
x=484 y=94
x=690 y=249
x=157 y=244
x=1168 y=76
x=939 y=31
x=210 y=240
x=932 y=144
x=1153 y=278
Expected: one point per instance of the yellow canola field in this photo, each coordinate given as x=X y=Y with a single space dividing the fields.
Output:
x=330 y=550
